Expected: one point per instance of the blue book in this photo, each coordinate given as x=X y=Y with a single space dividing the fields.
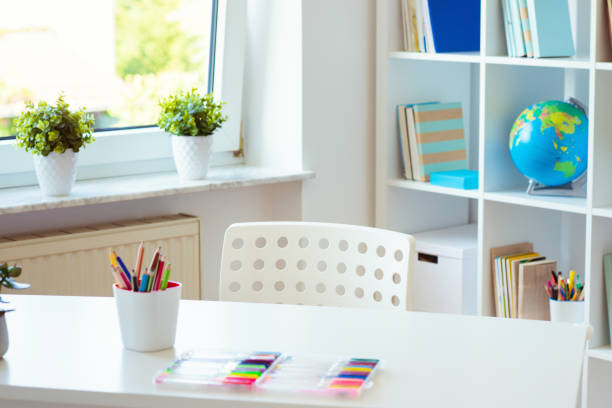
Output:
x=463 y=179
x=551 y=29
x=455 y=25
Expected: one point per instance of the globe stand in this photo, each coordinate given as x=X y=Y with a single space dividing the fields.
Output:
x=573 y=189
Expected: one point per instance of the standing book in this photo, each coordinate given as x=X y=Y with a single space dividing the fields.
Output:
x=517 y=32
x=525 y=27
x=452 y=26
x=551 y=29
x=404 y=146
x=532 y=299
x=439 y=139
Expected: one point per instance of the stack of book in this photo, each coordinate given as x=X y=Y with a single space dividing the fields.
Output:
x=441 y=25
x=538 y=28
x=520 y=278
x=431 y=139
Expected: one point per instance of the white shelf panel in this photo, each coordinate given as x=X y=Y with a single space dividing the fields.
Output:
x=421 y=186
x=603 y=212
x=469 y=57
x=568 y=62
x=520 y=197
x=601 y=353
x=604 y=66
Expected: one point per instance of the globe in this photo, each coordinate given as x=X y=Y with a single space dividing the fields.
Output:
x=549 y=142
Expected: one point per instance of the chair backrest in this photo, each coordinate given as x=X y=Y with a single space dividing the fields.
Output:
x=317 y=264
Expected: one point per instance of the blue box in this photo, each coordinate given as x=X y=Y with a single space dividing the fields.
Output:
x=463 y=179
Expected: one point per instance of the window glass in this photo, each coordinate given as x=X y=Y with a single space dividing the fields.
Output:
x=115 y=58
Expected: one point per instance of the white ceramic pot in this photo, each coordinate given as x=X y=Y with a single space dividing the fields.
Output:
x=147 y=320
x=192 y=155
x=56 y=172
x=4 y=339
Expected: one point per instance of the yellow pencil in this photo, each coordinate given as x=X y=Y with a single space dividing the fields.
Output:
x=570 y=282
x=113 y=258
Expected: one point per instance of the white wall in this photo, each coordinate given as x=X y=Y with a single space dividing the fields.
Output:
x=339 y=110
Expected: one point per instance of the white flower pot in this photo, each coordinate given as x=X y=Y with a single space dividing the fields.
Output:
x=192 y=155
x=56 y=172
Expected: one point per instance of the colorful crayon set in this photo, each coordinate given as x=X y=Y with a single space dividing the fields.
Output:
x=570 y=289
x=155 y=276
x=271 y=371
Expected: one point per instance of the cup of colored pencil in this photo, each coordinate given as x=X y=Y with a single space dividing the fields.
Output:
x=147 y=301
x=565 y=298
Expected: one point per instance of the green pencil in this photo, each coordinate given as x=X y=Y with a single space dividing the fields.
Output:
x=166 y=276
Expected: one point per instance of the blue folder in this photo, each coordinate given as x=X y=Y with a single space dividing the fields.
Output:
x=455 y=25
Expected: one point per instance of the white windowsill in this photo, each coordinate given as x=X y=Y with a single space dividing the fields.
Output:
x=112 y=189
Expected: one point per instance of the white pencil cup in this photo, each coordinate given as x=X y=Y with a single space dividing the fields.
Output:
x=147 y=320
x=566 y=311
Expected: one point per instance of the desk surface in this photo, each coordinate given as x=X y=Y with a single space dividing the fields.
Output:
x=67 y=350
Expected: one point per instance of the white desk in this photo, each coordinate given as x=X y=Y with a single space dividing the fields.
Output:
x=68 y=351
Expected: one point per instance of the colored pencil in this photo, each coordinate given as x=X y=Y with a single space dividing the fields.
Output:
x=117 y=278
x=139 y=256
x=126 y=281
x=122 y=266
x=144 y=281
x=164 y=284
x=160 y=272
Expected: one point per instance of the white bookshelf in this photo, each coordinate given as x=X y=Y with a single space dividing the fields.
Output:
x=493 y=89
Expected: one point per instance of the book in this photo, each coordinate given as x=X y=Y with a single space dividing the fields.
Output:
x=404 y=146
x=517 y=32
x=463 y=179
x=513 y=277
x=414 y=29
x=551 y=29
x=609 y=8
x=497 y=269
x=525 y=27
x=405 y=25
x=508 y=28
x=412 y=142
x=532 y=299
x=439 y=139
x=452 y=26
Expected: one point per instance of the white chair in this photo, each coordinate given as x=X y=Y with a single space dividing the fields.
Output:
x=316 y=264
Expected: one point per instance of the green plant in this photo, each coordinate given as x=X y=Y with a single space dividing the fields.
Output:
x=7 y=273
x=45 y=128
x=190 y=114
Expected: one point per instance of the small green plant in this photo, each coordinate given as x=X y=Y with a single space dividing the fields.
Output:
x=45 y=128
x=7 y=273
x=190 y=114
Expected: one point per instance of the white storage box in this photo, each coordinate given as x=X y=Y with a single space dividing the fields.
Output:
x=445 y=270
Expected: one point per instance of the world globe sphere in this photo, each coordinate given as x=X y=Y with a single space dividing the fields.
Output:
x=549 y=142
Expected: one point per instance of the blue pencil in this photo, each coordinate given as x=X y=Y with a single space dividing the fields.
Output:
x=143 y=282
x=122 y=265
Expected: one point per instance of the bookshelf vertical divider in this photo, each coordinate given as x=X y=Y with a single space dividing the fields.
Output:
x=493 y=90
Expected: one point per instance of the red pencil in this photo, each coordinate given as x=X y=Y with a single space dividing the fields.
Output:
x=160 y=272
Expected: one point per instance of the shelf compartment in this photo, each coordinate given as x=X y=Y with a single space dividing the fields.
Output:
x=469 y=57
x=566 y=62
x=557 y=235
x=520 y=197
x=601 y=244
x=421 y=186
x=604 y=66
x=508 y=91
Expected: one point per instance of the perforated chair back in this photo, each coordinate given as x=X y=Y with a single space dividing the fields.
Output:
x=317 y=264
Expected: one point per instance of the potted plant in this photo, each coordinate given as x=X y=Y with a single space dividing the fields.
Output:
x=7 y=273
x=192 y=120
x=55 y=135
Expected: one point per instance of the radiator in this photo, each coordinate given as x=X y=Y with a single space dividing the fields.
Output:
x=76 y=261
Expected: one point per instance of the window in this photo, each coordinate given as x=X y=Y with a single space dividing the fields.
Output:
x=117 y=58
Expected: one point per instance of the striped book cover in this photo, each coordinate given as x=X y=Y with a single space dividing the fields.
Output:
x=525 y=26
x=440 y=138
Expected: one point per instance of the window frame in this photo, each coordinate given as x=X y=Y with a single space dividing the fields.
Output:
x=119 y=152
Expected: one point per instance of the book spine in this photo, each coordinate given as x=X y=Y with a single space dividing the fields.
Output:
x=413 y=26
x=533 y=28
x=403 y=138
x=516 y=27
x=525 y=27
x=419 y=22
x=412 y=142
x=508 y=27
x=405 y=26
x=429 y=42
